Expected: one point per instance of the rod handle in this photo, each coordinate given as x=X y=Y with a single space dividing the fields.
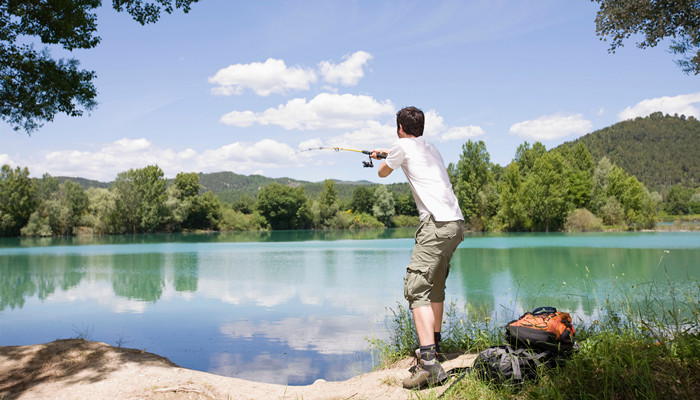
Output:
x=381 y=156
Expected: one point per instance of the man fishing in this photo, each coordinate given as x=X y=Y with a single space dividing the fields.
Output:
x=440 y=232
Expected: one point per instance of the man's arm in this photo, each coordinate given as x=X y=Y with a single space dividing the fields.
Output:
x=384 y=169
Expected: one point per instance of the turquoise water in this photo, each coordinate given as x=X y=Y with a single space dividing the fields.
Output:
x=293 y=307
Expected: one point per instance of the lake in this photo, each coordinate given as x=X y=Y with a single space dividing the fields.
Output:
x=293 y=307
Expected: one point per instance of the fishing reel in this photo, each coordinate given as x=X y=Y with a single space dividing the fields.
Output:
x=369 y=164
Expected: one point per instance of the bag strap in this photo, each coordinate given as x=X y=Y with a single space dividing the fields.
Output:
x=544 y=310
x=513 y=357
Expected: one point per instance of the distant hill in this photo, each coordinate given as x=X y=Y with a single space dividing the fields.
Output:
x=84 y=183
x=230 y=187
x=659 y=150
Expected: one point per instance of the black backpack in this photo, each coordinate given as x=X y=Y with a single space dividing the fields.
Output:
x=509 y=365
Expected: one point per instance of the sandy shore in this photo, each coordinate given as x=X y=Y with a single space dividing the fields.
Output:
x=79 y=369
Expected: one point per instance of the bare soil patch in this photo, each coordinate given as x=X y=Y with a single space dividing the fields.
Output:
x=80 y=369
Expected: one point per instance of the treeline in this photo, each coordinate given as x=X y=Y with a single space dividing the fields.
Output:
x=540 y=190
x=143 y=201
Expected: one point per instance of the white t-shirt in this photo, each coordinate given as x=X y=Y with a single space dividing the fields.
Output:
x=427 y=176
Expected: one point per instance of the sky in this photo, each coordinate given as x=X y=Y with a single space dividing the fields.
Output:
x=249 y=87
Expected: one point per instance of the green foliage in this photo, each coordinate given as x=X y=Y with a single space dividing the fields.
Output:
x=234 y=220
x=66 y=209
x=140 y=199
x=678 y=200
x=621 y=198
x=579 y=174
x=582 y=220
x=328 y=203
x=284 y=207
x=512 y=211
x=525 y=156
x=362 y=199
x=654 y=21
x=102 y=211
x=659 y=150
x=36 y=87
x=187 y=184
x=17 y=199
x=405 y=205
x=545 y=194
x=474 y=185
x=383 y=208
x=405 y=221
x=402 y=336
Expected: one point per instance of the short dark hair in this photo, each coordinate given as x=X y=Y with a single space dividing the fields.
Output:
x=411 y=120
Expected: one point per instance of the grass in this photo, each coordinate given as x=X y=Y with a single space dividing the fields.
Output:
x=634 y=350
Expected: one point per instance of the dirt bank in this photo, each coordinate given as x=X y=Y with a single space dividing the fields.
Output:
x=79 y=369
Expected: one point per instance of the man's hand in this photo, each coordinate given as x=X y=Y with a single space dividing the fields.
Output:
x=375 y=153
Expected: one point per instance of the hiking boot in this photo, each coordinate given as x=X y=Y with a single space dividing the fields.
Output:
x=440 y=356
x=427 y=372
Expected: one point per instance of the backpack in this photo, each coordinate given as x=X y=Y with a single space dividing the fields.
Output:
x=508 y=365
x=543 y=329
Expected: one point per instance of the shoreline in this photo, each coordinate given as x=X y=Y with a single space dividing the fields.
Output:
x=80 y=369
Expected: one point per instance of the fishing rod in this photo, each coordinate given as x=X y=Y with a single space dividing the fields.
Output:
x=366 y=164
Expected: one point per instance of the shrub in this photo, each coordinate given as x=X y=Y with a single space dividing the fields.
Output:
x=582 y=220
x=405 y=221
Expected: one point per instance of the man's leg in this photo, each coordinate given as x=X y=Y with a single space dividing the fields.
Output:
x=437 y=308
x=437 y=314
x=424 y=320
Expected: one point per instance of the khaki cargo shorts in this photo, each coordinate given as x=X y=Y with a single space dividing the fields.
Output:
x=424 y=282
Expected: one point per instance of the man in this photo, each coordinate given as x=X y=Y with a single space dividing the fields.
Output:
x=440 y=232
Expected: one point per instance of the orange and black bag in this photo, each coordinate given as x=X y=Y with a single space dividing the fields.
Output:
x=544 y=329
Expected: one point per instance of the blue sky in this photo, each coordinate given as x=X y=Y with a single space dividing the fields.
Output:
x=243 y=86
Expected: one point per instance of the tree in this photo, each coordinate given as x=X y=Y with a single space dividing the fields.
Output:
x=35 y=87
x=655 y=20
x=66 y=208
x=328 y=202
x=17 y=200
x=545 y=194
x=140 y=199
x=678 y=200
x=512 y=210
x=579 y=174
x=284 y=207
x=474 y=185
x=383 y=208
x=188 y=184
x=102 y=216
x=525 y=156
x=362 y=199
x=405 y=204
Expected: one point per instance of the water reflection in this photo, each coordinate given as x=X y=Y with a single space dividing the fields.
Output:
x=293 y=307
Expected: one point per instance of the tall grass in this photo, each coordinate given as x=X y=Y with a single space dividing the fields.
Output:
x=641 y=349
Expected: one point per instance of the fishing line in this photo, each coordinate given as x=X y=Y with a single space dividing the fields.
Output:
x=366 y=164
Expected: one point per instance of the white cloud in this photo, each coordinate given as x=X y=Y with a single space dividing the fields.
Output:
x=686 y=104
x=347 y=73
x=552 y=127
x=105 y=163
x=272 y=76
x=327 y=334
x=435 y=128
x=325 y=111
x=371 y=136
x=5 y=159
x=374 y=135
